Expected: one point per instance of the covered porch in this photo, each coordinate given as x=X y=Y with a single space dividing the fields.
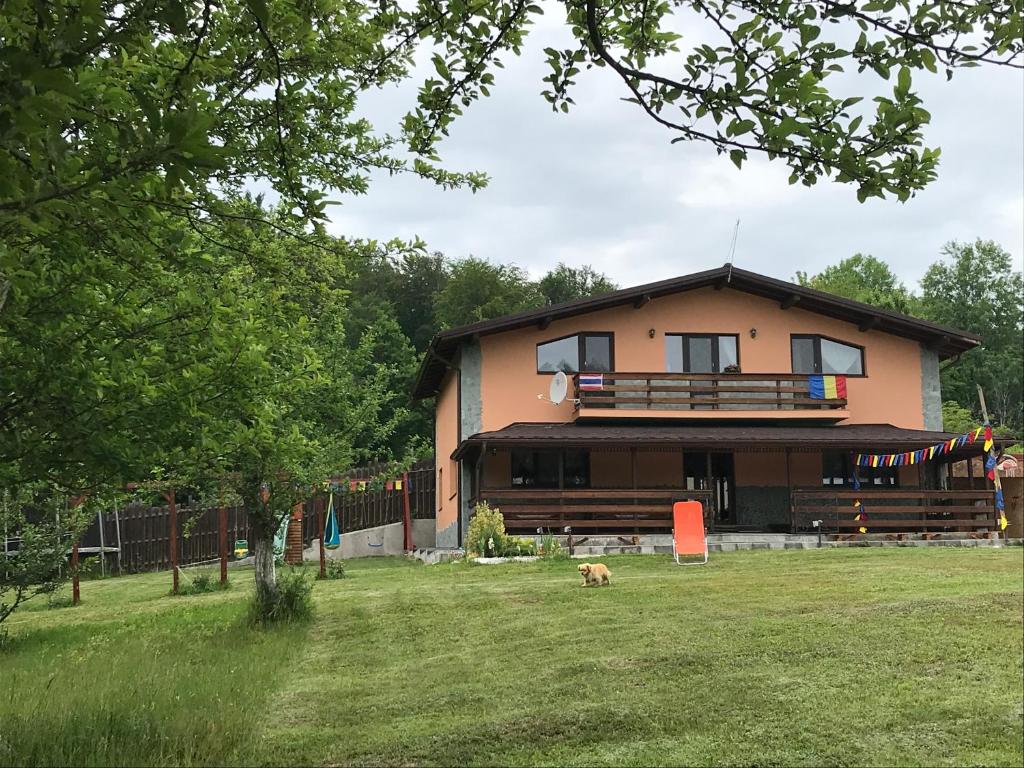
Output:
x=622 y=480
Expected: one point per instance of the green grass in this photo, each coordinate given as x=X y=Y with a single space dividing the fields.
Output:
x=842 y=657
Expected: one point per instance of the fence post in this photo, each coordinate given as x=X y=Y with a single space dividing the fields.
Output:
x=222 y=525
x=76 y=594
x=173 y=513
x=322 y=523
x=406 y=515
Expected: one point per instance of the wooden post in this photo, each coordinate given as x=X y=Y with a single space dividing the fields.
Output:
x=320 y=515
x=222 y=533
x=407 y=512
x=173 y=515
x=76 y=593
x=995 y=472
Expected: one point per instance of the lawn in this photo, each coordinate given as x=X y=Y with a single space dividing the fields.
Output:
x=840 y=657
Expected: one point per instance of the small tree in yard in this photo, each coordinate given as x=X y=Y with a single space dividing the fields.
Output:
x=34 y=559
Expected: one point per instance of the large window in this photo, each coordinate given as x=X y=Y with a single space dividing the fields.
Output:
x=701 y=353
x=572 y=354
x=837 y=470
x=550 y=468
x=817 y=354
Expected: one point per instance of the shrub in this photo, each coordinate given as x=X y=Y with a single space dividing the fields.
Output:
x=335 y=569
x=486 y=535
x=199 y=584
x=294 y=601
x=551 y=549
x=513 y=547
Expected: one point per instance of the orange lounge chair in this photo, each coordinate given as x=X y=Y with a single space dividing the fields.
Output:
x=688 y=531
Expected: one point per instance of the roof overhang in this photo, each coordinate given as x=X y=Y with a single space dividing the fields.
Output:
x=945 y=341
x=863 y=438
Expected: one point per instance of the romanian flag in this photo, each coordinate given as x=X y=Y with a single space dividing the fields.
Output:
x=827 y=387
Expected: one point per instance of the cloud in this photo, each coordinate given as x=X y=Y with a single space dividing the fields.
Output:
x=604 y=186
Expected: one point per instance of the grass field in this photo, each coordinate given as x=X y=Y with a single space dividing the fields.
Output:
x=842 y=657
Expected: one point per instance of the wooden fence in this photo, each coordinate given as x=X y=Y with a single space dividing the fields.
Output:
x=144 y=539
x=892 y=511
x=375 y=505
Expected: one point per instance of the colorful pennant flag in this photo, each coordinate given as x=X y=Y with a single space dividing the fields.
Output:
x=827 y=387
x=923 y=454
x=861 y=516
x=988 y=437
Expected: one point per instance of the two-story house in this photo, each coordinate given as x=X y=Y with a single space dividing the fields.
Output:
x=704 y=386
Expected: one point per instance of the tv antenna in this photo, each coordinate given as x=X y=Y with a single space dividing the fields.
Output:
x=732 y=249
x=558 y=390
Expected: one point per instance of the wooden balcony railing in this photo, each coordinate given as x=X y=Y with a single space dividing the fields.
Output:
x=703 y=392
x=590 y=510
x=892 y=511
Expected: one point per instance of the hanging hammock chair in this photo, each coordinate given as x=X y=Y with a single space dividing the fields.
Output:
x=332 y=536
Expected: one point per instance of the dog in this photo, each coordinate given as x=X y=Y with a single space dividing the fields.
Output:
x=595 y=574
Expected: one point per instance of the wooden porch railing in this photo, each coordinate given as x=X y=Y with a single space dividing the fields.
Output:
x=891 y=511
x=704 y=391
x=591 y=510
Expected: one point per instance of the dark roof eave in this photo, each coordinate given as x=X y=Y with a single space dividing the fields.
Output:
x=946 y=341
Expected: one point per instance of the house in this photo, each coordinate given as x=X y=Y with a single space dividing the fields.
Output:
x=696 y=387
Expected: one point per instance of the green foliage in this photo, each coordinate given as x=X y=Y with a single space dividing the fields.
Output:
x=956 y=418
x=479 y=290
x=486 y=534
x=551 y=549
x=292 y=601
x=200 y=583
x=976 y=288
x=515 y=547
x=564 y=283
x=334 y=569
x=862 y=278
x=39 y=528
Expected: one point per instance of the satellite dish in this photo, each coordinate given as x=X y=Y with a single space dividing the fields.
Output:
x=559 y=388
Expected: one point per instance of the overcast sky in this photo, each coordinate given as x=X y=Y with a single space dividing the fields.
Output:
x=603 y=186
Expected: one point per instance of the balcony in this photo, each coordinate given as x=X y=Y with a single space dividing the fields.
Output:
x=702 y=396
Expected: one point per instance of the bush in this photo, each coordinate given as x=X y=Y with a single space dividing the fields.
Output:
x=551 y=549
x=335 y=569
x=513 y=547
x=199 y=584
x=294 y=601
x=486 y=536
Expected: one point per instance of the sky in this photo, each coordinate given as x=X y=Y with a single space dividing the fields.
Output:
x=603 y=186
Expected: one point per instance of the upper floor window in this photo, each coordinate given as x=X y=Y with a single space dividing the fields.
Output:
x=701 y=352
x=581 y=352
x=817 y=354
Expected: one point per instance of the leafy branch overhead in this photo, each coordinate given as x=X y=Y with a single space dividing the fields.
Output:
x=745 y=76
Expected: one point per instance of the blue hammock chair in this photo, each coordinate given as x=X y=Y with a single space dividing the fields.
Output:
x=332 y=536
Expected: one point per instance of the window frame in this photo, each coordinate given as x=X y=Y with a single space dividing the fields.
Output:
x=869 y=476
x=580 y=350
x=715 y=353
x=816 y=339
x=516 y=454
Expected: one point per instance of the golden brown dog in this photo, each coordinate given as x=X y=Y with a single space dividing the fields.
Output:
x=595 y=574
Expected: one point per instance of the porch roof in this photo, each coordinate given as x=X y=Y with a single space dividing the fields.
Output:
x=875 y=438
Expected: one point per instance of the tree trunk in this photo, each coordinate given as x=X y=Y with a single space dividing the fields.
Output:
x=266 y=576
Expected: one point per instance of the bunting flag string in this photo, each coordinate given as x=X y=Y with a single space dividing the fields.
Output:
x=361 y=485
x=858 y=504
x=909 y=458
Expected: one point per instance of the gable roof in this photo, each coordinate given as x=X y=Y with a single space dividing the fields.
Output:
x=947 y=342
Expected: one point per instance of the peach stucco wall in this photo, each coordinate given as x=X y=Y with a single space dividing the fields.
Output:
x=446 y=441
x=889 y=393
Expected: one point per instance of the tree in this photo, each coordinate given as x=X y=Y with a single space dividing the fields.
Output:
x=564 y=283
x=761 y=84
x=956 y=418
x=862 y=278
x=37 y=528
x=974 y=287
x=478 y=290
